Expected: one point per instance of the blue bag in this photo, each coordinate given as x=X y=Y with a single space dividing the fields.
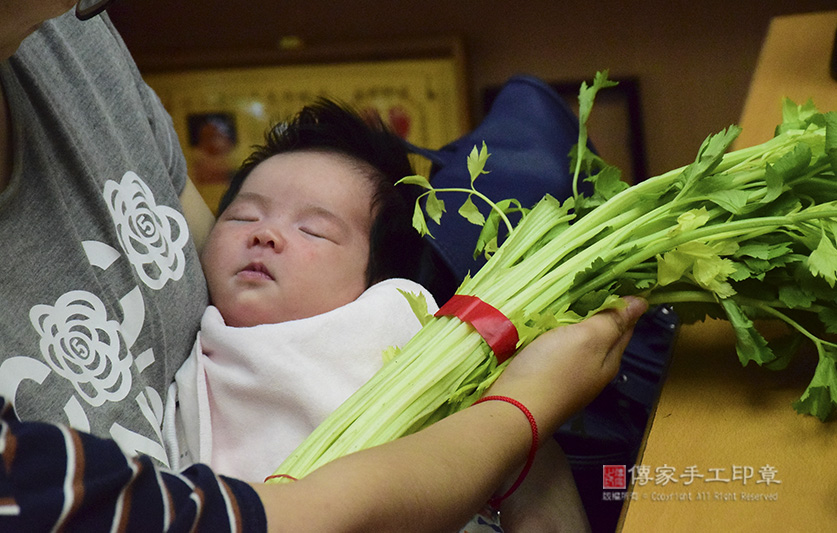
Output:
x=529 y=131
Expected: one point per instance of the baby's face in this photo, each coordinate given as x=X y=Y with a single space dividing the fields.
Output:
x=294 y=243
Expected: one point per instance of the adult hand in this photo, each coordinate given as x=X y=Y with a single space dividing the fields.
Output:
x=437 y=478
x=564 y=369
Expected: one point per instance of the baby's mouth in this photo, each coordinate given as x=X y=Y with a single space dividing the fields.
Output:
x=256 y=271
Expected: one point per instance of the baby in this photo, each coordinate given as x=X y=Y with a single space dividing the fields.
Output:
x=305 y=264
x=305 y=267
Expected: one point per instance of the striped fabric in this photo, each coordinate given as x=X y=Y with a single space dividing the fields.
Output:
x=55 y=478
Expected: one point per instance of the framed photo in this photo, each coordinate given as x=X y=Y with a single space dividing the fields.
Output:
x=220 y=113
x=212 y=140
x=615 y=126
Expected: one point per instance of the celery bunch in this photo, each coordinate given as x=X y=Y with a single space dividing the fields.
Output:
x=742 y=235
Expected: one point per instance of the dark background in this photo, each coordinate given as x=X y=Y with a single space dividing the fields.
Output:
x=693 y=61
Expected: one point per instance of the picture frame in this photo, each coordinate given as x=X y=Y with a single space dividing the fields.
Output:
x=220 y=111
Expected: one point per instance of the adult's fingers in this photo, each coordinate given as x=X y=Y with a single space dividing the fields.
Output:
x=565 y=368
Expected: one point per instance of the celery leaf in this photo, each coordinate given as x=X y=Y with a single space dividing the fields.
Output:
x=608 y=182
x=820 y=397
x=784 y=347
x=587 y=94
x=470 y=212
x=586 y=97
x=828 y=316
x=823 y=261
x=419 y=222
x=732 y=201
x=749 y=344
x=390 y=353
x=691 y=219
x=488 y=234
x=702 y=263
x=435 y=207
x=418 y=304
x=416 y=179
x=709 y=156
x=796 y=117
x=831 y=139
x=796 y=297
x=760 y=250
x=476 y=162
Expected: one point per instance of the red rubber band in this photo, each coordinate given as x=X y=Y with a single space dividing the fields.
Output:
x=492 y=325
x=531 y=457
x=279 y=476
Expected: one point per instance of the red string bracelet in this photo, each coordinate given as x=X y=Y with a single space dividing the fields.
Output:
x=279 y=476
x=530 y=459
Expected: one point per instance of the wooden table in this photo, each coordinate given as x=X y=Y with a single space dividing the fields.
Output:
x=720 y=420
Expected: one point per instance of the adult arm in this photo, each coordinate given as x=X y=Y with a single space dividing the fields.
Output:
x=54 y=478
x=548 y=500
x=436 y=479
x=198 y=216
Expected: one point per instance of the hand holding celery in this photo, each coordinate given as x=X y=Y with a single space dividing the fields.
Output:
x=742 y=235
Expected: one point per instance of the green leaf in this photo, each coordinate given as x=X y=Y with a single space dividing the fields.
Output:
x=527 y=332
x=390 y=353
x=820 y=398
x=828 y=316
x=762 y=250
x=831 y=138
x=749 y=344
x=712 y=273
x=590 y=272
x=421 y=181
x=470 y=212
x=590 y=302
x=742 y=272
x=489 y=233
x=419 y=222
x=690 y=220
x=671 y=266
x=795 y=296
x=791 y=165
x=732 y=201
x=784 y=348
x=491 y=247
x=823 y=261
x=435 y=207
x=701 y=262
x=418 y=304
x=710 y=154
x=608 y=182
x=476 y=162
x=587 y=95
x=775 y=183
x=796 y=117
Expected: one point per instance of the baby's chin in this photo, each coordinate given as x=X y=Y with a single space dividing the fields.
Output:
x=249 y=316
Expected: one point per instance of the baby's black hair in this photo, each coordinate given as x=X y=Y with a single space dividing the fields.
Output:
x=328 y=126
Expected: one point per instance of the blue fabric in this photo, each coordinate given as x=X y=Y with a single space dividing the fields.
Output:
x=529 y=131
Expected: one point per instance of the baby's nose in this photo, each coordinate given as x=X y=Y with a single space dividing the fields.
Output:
x=267 y=237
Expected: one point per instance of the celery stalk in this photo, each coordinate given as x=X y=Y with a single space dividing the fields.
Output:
x=744 y=234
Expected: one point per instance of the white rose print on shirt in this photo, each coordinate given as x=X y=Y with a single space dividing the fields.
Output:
x=80 y=344
x=152 y=236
